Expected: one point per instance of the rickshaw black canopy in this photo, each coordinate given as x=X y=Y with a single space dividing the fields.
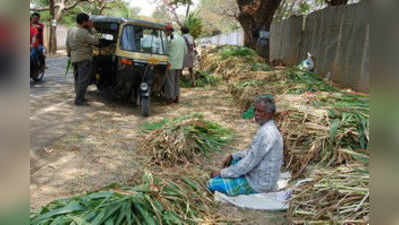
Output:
x=120 y=20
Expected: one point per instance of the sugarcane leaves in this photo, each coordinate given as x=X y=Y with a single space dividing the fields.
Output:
x=180 y=140
x=157 y=207
x=72 y=207
x=191 y=183
x=79 y=221
x=110 y=210
x=358 y=156
x=307 y=81
x=363 y=131
x=151 y=126
x=62 y=221
x=171 y=217
x=110 y=221
x=147 y=218
x=333 y=132
x=124 y=213
x=155 y=200
x=339 y=196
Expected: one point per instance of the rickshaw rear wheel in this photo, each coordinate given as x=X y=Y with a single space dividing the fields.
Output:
x=145 y=106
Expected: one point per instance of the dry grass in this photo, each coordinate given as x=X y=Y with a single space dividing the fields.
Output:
x=323 y=127
x=334 y=196
x=183 y=139
x=316 y=119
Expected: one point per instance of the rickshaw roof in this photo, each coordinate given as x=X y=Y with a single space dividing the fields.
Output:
x=120 y=20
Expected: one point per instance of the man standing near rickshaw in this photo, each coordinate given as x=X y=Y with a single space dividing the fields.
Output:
x=79 y=43
x=189 y=57
x=177 y=49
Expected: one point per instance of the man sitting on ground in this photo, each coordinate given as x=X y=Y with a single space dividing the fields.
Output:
x=256 y=169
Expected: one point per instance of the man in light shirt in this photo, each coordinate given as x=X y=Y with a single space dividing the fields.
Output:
x=189 y=57
x=177 y=49
x=256 y=169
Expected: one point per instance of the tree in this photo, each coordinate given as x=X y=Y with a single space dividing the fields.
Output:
x=59 y=8
x=252 y=15
x=122 y=9
x=194 y=24
x=161 y=14
x=289 y=8
x=171 y=7
x=218 y=16
x=255 y=15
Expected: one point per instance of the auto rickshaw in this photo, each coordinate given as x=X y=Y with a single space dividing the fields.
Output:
x=131 y=59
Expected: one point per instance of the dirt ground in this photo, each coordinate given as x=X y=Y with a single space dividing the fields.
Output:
x=76 y=150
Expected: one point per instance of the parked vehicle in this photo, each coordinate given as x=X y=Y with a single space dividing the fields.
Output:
x=131 y=59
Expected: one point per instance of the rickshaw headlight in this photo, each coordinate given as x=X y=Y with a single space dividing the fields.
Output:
x=144 y=86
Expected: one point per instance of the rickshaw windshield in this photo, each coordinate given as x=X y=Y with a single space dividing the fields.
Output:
x=107 y=31
x=143 y=39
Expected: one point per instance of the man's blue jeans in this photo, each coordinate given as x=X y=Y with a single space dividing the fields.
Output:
x=35 y=53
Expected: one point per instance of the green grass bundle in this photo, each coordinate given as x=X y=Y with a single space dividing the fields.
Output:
x=155 y=201
x=183 y=139
x=203 y=79
x=306 y=81
x=237 y=51
x=325 y=135
x=318 y=120
x=261 y=67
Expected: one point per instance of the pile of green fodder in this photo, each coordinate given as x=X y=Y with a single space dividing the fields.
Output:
x=320 y=123
x=155 y=201
x=323 y=128
x=278 y=82
x=325 y=131
x=231 y=61
x=333 y=196
x=203 y=79
x=183 y=139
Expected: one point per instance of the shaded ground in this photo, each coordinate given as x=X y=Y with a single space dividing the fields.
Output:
x=75 y=150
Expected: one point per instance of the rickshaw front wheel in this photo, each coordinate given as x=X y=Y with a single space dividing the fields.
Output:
x=145 y=106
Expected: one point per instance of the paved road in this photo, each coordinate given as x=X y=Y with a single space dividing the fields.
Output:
x=52 y=113
x=77 y=149
x=53 y=79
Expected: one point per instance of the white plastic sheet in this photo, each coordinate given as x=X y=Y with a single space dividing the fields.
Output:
x=261 y=201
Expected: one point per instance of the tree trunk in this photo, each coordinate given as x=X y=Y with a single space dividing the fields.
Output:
x=53 y=40
x=256 y=15
x=188 y=10
x=53 y=29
